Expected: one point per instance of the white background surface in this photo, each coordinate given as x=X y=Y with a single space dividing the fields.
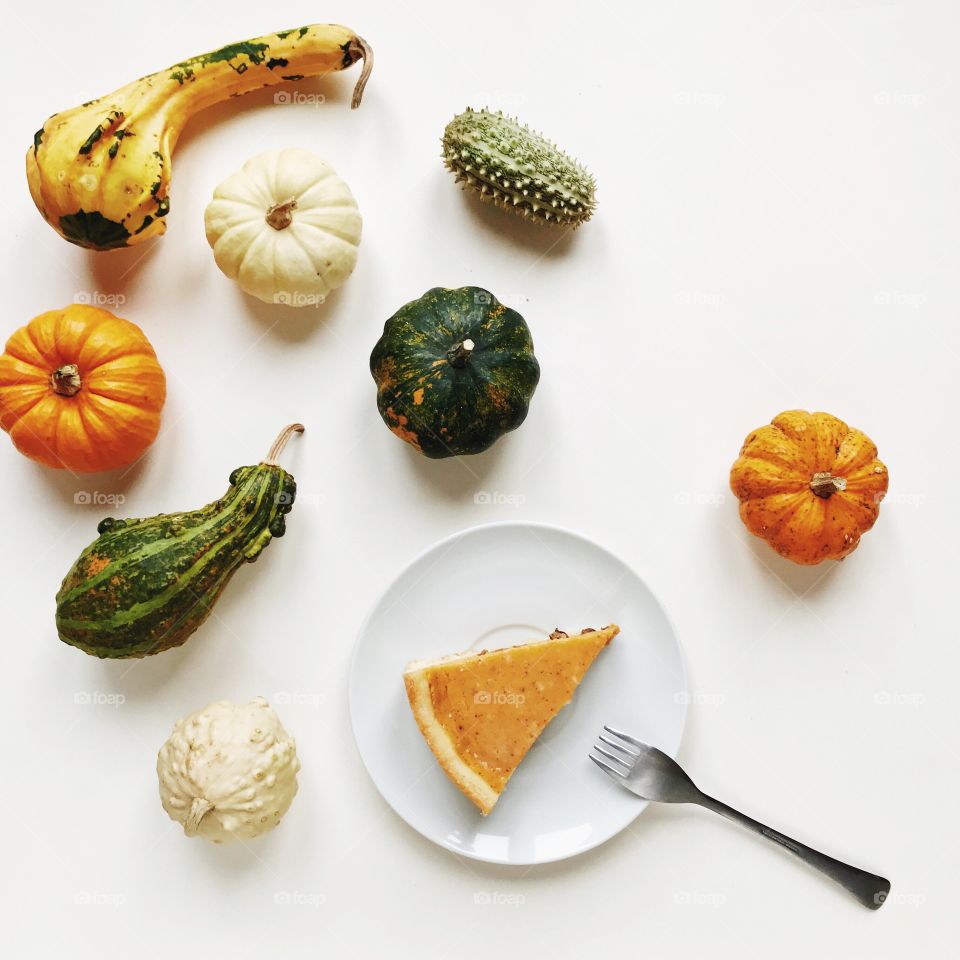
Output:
x=777 y=227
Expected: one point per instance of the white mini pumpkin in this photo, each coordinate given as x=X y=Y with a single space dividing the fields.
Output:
x=228 y=771
x=285 y=227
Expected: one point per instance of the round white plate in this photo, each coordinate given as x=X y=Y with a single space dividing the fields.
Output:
x=494 y=586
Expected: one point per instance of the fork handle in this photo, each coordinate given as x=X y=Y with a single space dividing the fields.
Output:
x=868 y=888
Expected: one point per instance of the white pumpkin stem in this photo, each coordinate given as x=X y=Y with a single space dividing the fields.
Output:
x=285 y=434
x=66 y=380
x=280 y=215
x=826 y=484
x=198 y=810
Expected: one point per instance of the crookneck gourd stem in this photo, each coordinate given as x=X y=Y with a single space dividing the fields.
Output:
x=359 y=48
x=826 y=484
x=280 y=215
x=66 y=381
x=285 y=434
x=198 y=810
x=460 y=354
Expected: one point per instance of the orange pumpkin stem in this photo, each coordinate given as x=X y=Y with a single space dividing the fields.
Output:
x=280 y=215
x=66 y=380
x=285 y=434
x=826 y=484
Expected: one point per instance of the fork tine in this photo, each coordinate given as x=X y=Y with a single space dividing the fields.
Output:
x=625 y=736
x=626 y=764
x=607 y=769
x=618 y=746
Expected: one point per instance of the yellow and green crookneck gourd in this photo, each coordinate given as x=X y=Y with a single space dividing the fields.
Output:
x=144 y=586
x=455 y=371
x=100 y=173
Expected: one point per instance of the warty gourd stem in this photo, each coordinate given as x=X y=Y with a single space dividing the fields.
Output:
x=285 y=434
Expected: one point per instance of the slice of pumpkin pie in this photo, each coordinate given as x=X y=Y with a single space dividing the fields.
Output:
x=481 y=712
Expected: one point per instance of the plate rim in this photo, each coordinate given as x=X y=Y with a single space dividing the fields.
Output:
x=352 y=673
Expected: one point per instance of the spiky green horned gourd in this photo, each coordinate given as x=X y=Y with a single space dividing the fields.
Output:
x=144 y=586
x=518 y=169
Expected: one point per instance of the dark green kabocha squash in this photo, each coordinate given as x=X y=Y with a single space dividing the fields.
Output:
x=144 y=586
x=455 y=371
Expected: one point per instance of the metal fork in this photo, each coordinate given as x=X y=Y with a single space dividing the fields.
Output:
x=652 y=775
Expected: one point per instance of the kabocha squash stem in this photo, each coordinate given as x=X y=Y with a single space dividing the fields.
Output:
x=460 y=354
x=100 y=173
x=144 y=586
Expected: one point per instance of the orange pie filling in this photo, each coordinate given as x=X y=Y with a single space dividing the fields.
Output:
x=481 y=712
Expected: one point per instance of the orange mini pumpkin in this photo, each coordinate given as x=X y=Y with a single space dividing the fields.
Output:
x=809 y=485
x=81 y=389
